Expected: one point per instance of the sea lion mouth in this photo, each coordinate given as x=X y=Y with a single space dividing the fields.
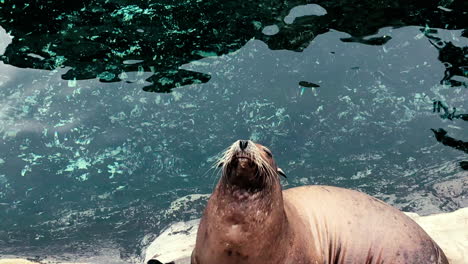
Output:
x=241 y=164
x=243 y=160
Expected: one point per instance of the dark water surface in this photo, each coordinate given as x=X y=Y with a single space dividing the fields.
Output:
x=112 y=110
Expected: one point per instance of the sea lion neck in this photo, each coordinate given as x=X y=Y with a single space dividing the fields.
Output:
x=239 y=193
x=242 y=206
x=245 y=224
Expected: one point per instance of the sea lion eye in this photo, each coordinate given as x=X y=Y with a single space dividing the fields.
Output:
x=268 y=152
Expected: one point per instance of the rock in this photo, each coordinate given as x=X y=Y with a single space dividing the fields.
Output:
x=450 y=231
x=13 y=260
x=454 y=190
x=174 y=244
x=16 y=261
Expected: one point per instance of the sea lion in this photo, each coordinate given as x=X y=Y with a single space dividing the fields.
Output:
x=250 y=220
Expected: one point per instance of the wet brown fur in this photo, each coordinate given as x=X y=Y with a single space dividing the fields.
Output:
x=310 y=224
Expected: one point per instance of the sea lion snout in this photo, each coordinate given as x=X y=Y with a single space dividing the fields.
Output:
x=248 y=165
x=243 y=144
x=242 y=158
x=246 y=154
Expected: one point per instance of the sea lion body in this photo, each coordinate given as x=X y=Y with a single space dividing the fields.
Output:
x=250 y=220
x=347 y=226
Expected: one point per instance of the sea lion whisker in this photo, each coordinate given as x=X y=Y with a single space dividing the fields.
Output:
x=214 y=173
x=267 y=171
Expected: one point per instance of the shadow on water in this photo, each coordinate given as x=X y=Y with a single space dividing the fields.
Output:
x=455 y=59
x=108 y=39
x=441 y=135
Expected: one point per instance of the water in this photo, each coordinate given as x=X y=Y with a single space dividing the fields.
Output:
x=112 y=113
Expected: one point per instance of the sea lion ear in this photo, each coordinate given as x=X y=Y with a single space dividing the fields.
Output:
x=281 y=172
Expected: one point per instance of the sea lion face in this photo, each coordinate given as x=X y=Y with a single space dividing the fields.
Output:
x=249 y=165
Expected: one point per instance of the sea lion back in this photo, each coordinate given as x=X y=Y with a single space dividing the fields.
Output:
x=353 y=227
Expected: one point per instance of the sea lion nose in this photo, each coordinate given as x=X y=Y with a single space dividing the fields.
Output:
x=243 y=144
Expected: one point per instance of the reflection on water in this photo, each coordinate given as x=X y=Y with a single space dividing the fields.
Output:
x=89 y=158
x=98 y=39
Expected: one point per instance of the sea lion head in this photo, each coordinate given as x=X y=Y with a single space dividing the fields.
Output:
x=249 y=166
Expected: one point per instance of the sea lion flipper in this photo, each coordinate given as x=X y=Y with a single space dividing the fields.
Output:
x=193 y=259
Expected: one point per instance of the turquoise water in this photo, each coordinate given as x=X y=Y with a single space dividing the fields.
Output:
x=112 y=110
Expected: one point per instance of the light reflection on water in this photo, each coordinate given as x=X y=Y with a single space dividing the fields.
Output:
x=85 y=162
